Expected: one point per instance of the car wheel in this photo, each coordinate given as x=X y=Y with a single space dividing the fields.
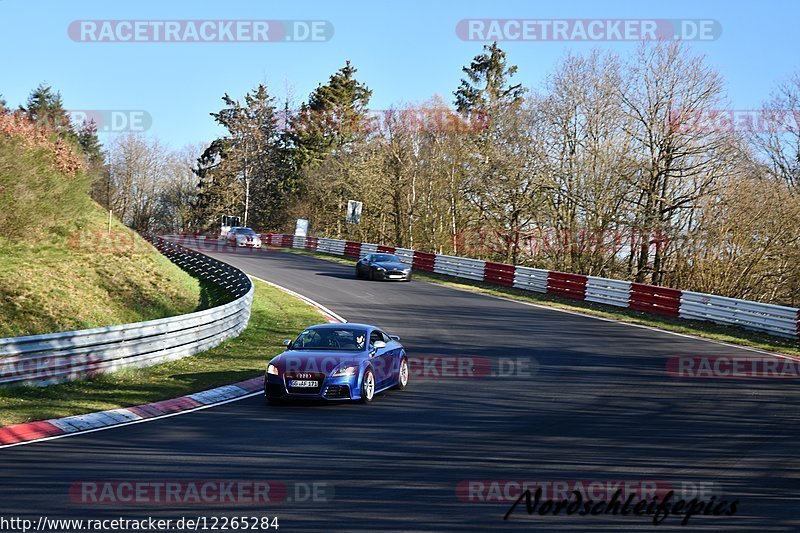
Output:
x=358 y=273
x=367 y=386
x=371 y=275
x=402 y=378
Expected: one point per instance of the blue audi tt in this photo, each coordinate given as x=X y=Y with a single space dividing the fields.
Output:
x=337 y=362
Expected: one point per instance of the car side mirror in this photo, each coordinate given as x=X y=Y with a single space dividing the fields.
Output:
x=394 y=337
x=378 y=345
x=287 y=342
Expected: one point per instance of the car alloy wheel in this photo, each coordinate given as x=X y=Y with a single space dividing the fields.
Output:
x=402 y=380
x=368 y=386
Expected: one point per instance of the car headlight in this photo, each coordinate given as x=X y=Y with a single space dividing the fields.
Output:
x=272 y=369
x=380 y=269
x=344 y=371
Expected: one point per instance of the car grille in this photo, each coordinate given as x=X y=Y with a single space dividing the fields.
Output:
x=313 y=376
x=395 y=272
x=337 y=391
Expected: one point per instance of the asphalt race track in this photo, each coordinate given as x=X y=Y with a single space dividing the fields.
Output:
x=564 y=398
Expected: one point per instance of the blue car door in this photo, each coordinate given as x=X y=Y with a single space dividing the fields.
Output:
x=382 y=360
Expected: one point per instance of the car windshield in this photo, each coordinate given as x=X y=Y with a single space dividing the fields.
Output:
x=245 y=232
x=385 y=258
x=351 y=339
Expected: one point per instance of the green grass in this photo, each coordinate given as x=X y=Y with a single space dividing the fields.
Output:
x=698 y=328
x=63 y=284
x=275 y=316
x=61 y=269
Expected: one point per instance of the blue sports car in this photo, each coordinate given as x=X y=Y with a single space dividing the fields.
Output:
x=337 y=362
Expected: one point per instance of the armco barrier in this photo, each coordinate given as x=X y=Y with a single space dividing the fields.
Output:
x=530 y=279
x=752 y=315
x=366 y=249
x=654 y=299
x=569 y=285
x=499 y=273
x=459 y=267
x=331 y=246
x=773 y=319
x=352 y=249
x=608 y=291
x=424 y=261
x=58 y=357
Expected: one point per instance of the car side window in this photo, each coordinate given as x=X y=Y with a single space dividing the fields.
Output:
x=378 y=335
x=374 y=336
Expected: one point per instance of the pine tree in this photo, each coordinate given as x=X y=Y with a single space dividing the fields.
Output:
x=90 y=142
x=336 y=114
x=487 y=88
x=45 y=107
x=250 y=172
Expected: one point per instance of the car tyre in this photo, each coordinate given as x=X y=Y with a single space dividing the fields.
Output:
x=403 y=375
x=368 y=386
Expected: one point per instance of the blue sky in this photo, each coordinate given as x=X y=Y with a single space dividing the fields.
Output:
x=405 y=51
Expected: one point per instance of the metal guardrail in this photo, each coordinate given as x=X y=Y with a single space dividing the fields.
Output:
x=773 y=319
x=59 y=357
x=752 y=315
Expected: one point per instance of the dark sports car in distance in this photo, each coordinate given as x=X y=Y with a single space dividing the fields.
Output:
x=337 y=362
x=385 y=267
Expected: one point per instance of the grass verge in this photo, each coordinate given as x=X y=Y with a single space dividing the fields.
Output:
x=62 y=267
x=708 y=330
x=275 y=316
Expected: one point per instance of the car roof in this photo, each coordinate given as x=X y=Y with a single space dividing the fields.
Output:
x=342 y=325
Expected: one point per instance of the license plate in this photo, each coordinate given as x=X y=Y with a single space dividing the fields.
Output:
x=395 y=275
x=303 y=383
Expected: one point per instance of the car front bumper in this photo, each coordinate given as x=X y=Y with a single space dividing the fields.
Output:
x=342 y=388
x=395 y=275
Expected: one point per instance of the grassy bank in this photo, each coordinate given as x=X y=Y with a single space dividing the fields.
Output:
x=275 y=316
x=709 y=330
x=60 y=266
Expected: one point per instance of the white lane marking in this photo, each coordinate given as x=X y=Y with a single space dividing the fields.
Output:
x=304 y=298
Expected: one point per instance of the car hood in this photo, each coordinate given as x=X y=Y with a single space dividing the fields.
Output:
x=393 y=265
x=324 y=361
